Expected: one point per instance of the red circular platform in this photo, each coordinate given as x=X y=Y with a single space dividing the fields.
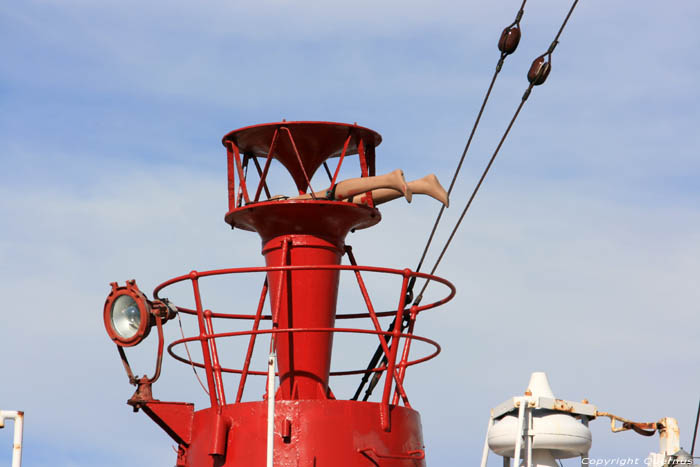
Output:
x=310 y=217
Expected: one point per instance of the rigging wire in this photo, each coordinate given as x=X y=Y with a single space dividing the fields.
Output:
x=464 y=212
x=539 y=70
x=508 y=42
x=328 y=171
x=537 y=75
x=505 y=51
x=476 y=190
x=695 y=433
x=189 y=357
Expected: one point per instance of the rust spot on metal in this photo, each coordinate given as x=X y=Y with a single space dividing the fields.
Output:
x=562 y=406
x=644 y=429
x=142 y=395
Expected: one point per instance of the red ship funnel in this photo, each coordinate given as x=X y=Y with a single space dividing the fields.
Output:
x=298 y=233
x=303 y=299
x=302 y=233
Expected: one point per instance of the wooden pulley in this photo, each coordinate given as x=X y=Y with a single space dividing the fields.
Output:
x=539 y=70
x=509 y=40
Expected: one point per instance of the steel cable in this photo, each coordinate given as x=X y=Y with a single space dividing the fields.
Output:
x=695 y=433
x=475 y=191
x=501 y=60
x=538 y=73
x=541 y=71
x=378 y=353
x=375 y=379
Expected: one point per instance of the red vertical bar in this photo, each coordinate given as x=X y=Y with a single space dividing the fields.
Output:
x=241 y=177
x=204 y=339
x=404 y=356
x=262 y=181
x=363 y=157
x=340 y=161
x=251 y=343
x=285 y=253
x=215 y=358
x=301 y=164
x=375 y=322
x=365 y=172
x=263 y=177
x=393 y=350
x=231 y=177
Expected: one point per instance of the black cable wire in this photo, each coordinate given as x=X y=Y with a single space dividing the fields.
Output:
x=695 y=434
x=566 y=20
x=476 y=190
x=409 y=291
x=537 y=75
x=328 y=171
x=454 y=177
x=536 y=78
x=501 y=60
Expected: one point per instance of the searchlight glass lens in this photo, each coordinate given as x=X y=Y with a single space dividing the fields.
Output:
x=126 y=317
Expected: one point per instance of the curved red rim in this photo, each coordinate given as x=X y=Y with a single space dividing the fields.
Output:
x=231 y=135
x=435 y=353
x=342 y=267
x=144 y=326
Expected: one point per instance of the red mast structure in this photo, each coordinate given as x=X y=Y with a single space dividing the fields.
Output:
x=303 y=241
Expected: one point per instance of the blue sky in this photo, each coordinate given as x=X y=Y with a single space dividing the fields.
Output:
x=580 y=256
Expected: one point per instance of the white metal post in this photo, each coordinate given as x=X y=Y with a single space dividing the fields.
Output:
x=528 y=437
x=18 y=417
x=270 y=408
x=519 y=431
x=485 y=454
x=584 y=421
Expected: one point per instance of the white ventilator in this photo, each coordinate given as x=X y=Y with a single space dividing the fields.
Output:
x=537 y=429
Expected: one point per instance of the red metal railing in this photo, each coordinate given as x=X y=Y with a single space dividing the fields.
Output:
x=396 y=370
x=237 y=164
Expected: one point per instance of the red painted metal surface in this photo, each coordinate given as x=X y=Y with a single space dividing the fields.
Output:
x=313 y=142
x=325 y=431
x=321 y=218
x=304 y=359
x=303 y=242
x=312 y=433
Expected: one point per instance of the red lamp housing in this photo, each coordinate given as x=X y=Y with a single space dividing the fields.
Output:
x=127 y=315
